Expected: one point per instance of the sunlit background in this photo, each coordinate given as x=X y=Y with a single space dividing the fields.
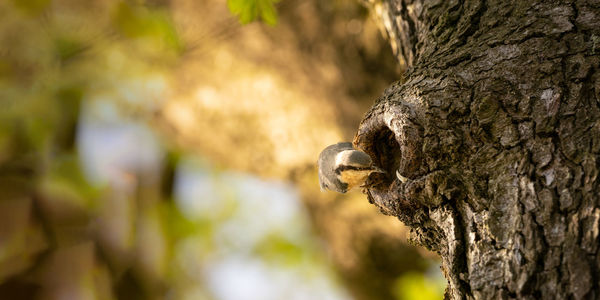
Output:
x=165 y=149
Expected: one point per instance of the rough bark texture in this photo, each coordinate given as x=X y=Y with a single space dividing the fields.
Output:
x=497 y=130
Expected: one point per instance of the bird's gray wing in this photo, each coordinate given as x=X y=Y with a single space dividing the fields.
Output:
x=326 y=166
x=343 y=146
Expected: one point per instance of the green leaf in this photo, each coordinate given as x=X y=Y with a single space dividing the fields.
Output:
x=268 y=12
x=249 y=10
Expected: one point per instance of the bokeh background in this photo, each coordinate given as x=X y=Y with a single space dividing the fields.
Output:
x=166 y=149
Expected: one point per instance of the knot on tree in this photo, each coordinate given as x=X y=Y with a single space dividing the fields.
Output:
x=392 y=135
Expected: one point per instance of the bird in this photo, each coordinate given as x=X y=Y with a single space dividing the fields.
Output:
x=341 y=167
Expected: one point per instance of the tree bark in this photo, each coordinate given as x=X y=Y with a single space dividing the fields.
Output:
x=495 y=132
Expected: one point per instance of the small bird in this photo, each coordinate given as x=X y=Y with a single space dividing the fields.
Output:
x=341 y=167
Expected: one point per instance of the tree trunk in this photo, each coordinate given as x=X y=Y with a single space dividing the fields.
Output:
x=495 y=132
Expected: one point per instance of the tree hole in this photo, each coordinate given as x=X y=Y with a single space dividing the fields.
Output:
x=386 y=154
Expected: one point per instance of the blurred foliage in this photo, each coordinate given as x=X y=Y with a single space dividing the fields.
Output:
x=420 y=286
x=64 y=180
x=249 y=10
x=32 y=7
x=180 y=227
x=115 y=228
x=142 y=22
x=57 y=57
x=281 y=250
